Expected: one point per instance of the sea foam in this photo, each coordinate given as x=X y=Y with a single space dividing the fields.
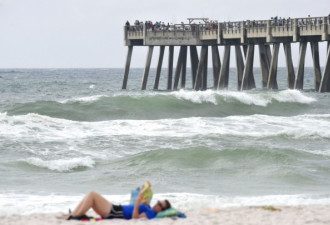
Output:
x=61 y=165
x=32 y=203
x=44 y=128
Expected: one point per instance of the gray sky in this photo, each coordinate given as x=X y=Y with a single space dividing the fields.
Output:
x=89 y=33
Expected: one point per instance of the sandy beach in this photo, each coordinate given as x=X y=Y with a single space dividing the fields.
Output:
x=291 y=215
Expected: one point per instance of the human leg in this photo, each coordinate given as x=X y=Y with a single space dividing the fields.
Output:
x=95 y=201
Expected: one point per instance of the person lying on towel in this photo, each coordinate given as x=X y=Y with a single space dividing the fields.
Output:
x=107 y=210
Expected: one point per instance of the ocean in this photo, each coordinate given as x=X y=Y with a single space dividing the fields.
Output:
x=64 y=132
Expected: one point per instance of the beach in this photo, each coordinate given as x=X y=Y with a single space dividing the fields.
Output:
x=257 y=215
x=65 y=132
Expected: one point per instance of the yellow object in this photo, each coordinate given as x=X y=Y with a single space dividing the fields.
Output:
x=146 y=192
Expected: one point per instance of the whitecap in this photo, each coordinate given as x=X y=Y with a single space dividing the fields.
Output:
x=245 y=98
x=61 y=165
x=199 y=97
x=86 y=99
x=293 y=96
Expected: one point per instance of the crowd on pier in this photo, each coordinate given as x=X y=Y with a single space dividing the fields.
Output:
x=213 y=24
x=162 y=26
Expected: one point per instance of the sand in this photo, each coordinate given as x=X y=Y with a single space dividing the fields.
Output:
x=265 y=215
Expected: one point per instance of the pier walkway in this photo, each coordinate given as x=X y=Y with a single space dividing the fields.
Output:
x=243 y=35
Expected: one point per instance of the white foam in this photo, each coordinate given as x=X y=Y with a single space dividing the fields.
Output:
x=211 y=96
x=196 y=97
x=61 y=165
x=87 y=99
x=33 y=203
x=293 y=96
x=44 y=128
x=246 y=98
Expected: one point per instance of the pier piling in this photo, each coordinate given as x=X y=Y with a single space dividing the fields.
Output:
x=325 y=81
x=216 y=65
x=316 y=64
x=159 y=66
x=272 y=77
x=289 y=65
x=248 y=69
x=170 y=67
x=299 y=82
x=224 y=71
x=239 y=66
x=127 y=65
x=147 y=68
x=194 y=63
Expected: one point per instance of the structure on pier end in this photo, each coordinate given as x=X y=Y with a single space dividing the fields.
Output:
x=244 y=35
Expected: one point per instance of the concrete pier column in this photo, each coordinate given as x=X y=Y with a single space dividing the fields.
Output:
x=216 y=65
x=170 y=67
x=184 y=67
x=224 y=71
x=264 y=65
x=147 y=68
x=181 y=68
x=178 y=69
x=250 y=82
x=194 y=63
x=248 y=67
x=299 y=82
x=204 y=76
x=159 y=66
x=289 y=65
x=239 y=66
x=316 y=64
x=198 y=81
x=127 y=66
x=325 y=81
x=272 y=77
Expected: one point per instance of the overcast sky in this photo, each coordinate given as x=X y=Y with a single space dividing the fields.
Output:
x=89 y=33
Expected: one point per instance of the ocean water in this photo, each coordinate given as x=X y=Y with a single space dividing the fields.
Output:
x=64 y=132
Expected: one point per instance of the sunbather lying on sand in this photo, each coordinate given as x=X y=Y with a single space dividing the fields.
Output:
x=107 y=210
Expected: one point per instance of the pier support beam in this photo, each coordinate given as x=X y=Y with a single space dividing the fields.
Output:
x=264 y=65
x=184 y=67
x=194 y=63
x=239 y=66
x=216 y=65
x=272 y=77
x=289 y=65
x=181 y=68
x=147 y=68
x=299 y=82
x=250 y=82
x=159 y=66
x=200 y=70
x=224 y=71
x=170 y=67
x=204 y=77
x=316 y=65
x=248 y=70
x=127 y=65
x=325 y=82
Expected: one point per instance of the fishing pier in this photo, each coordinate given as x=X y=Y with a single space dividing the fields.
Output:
x=268 y=35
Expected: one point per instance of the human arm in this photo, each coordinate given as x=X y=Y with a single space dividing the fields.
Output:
x=136 y=214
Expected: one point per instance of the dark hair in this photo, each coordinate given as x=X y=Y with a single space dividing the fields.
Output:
x=168 y=204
